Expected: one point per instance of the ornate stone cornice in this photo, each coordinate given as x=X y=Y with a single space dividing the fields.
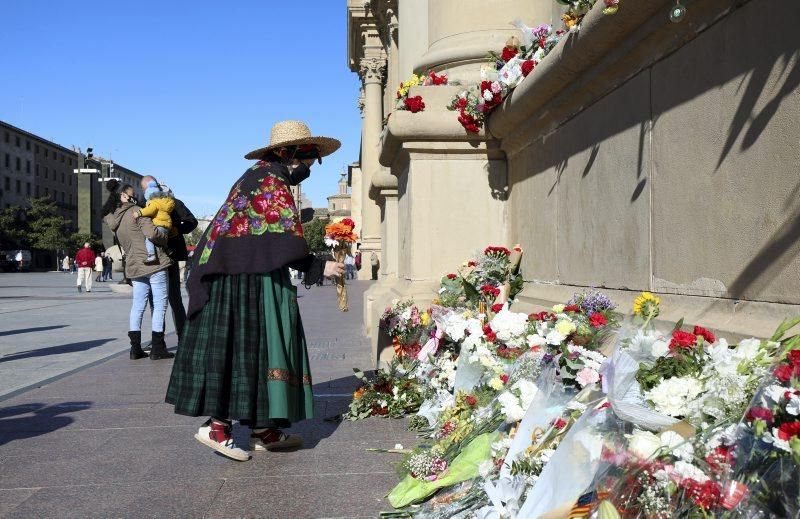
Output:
x=372 y=70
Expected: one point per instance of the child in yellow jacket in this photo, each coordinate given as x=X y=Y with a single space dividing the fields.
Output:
x=160 y=204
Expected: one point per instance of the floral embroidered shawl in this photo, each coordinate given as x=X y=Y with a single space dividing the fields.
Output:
x=256 y=230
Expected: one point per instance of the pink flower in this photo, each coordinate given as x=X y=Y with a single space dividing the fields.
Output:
x=587 y=376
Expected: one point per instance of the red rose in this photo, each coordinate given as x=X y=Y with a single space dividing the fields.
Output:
x=504 y=378
x=705 y=495
x=508 y=53
x=572 y=308
x=681 y=339
x=489 y=290
x=705 y=334
x=497 y=97
x=272 y=217
x=597 y=320
x=414 y=104
x=471 y=400
x=559 y=423
x=437 y=80
x=348 y=222
x=471 y=263
x=527 y=67
x=794 y=357
x=240 y=224
x=489 y=333
x=784 y=372
x=451 y=276
x=788 y=430
x=496 y=251
x=760 y=413
x=496 y=308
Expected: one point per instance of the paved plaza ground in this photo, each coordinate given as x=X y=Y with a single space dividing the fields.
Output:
x=85 y=431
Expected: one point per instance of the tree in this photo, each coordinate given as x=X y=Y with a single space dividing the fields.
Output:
x=194 y=237
x=76 y=241
x=47 y=229
x=314 y=231
x=13 y=228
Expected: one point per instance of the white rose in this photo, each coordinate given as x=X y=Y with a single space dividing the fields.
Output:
x=643 y=444
x=659 y=348
x=679 y=446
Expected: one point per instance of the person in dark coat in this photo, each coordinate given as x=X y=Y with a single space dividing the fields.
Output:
x=244 y=354
x=185 y=222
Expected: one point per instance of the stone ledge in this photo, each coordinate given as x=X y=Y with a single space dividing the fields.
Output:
x=589 y=63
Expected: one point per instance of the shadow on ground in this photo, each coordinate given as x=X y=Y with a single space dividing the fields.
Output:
x=44 y=419
x=56 y=350
x=32 y=330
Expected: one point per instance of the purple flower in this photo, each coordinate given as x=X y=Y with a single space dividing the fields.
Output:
x=592 y=302
x=224 y=227
x=268 y=195
x=240 y=202
x=287 y=222
x=256 y=223
x=542 y=31
x=548 y=358
x=210 y=244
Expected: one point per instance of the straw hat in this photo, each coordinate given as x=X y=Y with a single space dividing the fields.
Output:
x=294 y=133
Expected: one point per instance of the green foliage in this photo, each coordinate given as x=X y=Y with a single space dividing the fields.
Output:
x=681 y=363
x=194 y=237
x=13 y=233
x=314 y=231
x=46 y=228
x=76 y=241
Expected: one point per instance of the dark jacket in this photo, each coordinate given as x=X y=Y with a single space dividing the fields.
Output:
x=131 y=234
x=184 y=221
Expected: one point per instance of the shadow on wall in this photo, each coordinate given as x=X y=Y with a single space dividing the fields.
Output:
x=757 y=71
x=16 y=425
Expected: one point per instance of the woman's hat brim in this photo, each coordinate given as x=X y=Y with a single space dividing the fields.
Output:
x=326 y=146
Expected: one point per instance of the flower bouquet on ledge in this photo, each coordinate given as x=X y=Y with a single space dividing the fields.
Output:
x=339 y=236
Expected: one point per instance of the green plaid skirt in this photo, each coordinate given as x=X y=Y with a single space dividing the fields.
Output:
x=244 y=356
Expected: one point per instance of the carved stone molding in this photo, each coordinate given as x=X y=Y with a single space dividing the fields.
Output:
x=372 y=70
x=361 y=101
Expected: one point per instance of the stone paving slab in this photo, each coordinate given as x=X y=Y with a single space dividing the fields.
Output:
x=102 y=443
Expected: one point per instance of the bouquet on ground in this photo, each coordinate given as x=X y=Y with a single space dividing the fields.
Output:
x=339 y=236
x=393 y=392
x=486 y=282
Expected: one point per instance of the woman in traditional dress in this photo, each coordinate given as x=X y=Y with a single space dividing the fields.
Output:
x=243 y=355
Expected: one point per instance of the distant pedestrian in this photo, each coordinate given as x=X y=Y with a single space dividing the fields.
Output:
x=350 y=267
x=358 y=260
x=84 y=259
x=375 y=263
x=98 y=267
x=146 y=279
x=65 y=265
x=108 y=263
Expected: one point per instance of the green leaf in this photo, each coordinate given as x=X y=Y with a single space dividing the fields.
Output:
x=784 y=327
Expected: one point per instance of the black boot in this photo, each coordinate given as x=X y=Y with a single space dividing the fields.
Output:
x=158 y=349
x=136 y=346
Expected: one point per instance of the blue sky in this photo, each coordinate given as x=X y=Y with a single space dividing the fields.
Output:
x=181 y=90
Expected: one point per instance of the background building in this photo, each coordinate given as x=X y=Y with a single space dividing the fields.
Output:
x=640 y=154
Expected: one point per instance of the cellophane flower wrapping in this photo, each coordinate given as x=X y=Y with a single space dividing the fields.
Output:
x=339 y=236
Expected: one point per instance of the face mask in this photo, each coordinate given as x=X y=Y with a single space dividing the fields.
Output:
x=299 y=173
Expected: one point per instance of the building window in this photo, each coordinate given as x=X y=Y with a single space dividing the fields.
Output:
x=28 y=188
x=16 y=140
x=70 y=199
x=7 y=137
x=18 y=163
x=8 y=184
x=70 y=180
x=36 y=168
x=62 y=157
x=28 y=145
x=62 y=197
x=27 y=166
x=62 y=177
x=19 y=187
x=8 y=160
x=46 y=172
x=46 y=192
x=45 y=153
x=37 y=191
x=36 y=149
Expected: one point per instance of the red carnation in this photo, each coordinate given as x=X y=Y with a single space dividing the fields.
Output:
x=348 y=222
x=496 y=251
x=490 y=290
x=527 y=67
x=559 y=423
x=414 y=104
x=705 y=334
x=437 y=80
x=681 y=339
x=794 y=357
x=471 y=263
x=720 y=457
x=760 y=413
x=705 y=495
x=788 y=430
x=497 y=307
x=508 y=53
x=784 y=372
x=597 y=320
x=489 y=333
x=451 y=276
x=471 y=400
x=504 y=378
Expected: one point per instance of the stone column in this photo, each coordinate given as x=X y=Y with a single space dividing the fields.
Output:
x=372 y=71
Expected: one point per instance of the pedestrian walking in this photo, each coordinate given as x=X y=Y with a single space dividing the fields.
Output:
x=84 y=259
x=65 y=265
x=108 y=263
x=183 y=222
x=98 y=267
x=147 y=279
x=375 y=263
x=350 y=267
x=244 y=355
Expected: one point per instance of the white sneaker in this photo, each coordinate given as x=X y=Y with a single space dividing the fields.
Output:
x=272 y=440
x=218 y=437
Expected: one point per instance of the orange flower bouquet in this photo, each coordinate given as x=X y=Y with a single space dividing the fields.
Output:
x=339 y=236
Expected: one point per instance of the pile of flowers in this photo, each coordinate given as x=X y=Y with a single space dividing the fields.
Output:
x=392 y=392
x=416 y=104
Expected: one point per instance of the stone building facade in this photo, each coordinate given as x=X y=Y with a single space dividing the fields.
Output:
x=640 y=154
x=31 y=166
